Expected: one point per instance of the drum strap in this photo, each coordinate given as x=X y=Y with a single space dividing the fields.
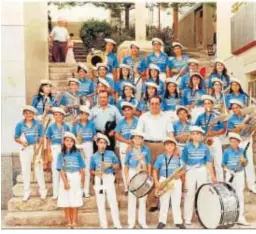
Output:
x=167 y=164
x=208 y=121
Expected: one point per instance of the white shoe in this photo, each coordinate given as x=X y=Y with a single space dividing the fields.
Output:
x=242 y=221
x=118 y=226
x=43 y=195
x=55 y=197
x=188 y=222
x=253 y=189
x=87 y=195
x=131 y=227
x=26 y=196
x=144 y=226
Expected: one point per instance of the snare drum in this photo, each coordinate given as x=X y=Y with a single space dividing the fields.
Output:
x=217 y=205
x=141 y=184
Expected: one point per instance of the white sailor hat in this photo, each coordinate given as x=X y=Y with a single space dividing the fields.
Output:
x=127 y=104
x=69 y=135
x=237 y=102
x=102 y=136
x=175 y=43
x=208 y=97
x=109 y=40
x=220 y=61
x=181 y=108
x=216 y=79
x=192 y=60
x=134 y=44
x=127 y=84
x=45 y=81
x=122 y=65
x=171 y=80
x=152 y=84
x=235 y=80
x=73 y=80
x=104 y=82
x=170 y=139
x=154 y=66
x=196 y=129
x=29 y=108
x=85 y=109
x=196 y=74
x=157 y=40
x=101 y=65
x=136 y=132
x=83 y=66
x=234 y=135
x=58 y=110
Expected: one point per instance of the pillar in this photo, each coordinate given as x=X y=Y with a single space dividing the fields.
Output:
x=140 y=22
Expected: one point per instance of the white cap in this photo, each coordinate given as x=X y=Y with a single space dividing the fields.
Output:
x=85 y=109
x=101 y=65
x=83 y=66
x=29 y=108
x=104 y=82
x=157 y=40
x=181 y=108
x=58 y=110
x=220 y=61
x=235 y=80
x=69 y=135
x=153 y=66
x=170 y=139
x=175 y=43
x=122 y=65
x=237 y=102
x=234 y=135
x=127 y=84
x=134 y=43
x=216 y=79
x=102 y=136
x=196 y=129
x=45 y=81
x=73 y=80
x=136 y=132
x=128 y=104
x=196 y=74
x=208 y=97
x=192 y=60
x=109 y=40
x=171 y=80
x=152 y=84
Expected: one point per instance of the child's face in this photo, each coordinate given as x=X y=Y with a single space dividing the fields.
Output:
x=156 y=46
x=73 y=86
x=84 y=116
x=219 y=67
x=102 y=71
x=151 y=91
x=58 y=117
x=196 y=136
x=137 y=140
x=109 y=47
x=236 y=109
x=234 y=143
x=153 y=73
x=217 y=86
x=183 y=114
x=125 y=72
x=177 y=50
x=82 y=73
x=28 y=115
x=69 y=142
x=128 y=112
x=102 y=144
x=47 y=89
x=193 y=67
x=169 y=146
x=235 y=87
x=171 y=88
x=208 y=105
x=195 y=80
x=128 y=91
x=134 y=50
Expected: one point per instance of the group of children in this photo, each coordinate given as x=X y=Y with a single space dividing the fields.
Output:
x=192 y=103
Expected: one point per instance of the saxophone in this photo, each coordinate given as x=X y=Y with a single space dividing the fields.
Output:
x=141 y=164
x=79 y=141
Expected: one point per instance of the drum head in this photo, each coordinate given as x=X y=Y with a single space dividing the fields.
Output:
x=137 y=181
x=208 y=206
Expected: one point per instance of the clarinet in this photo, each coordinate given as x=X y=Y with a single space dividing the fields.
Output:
x=101 y=177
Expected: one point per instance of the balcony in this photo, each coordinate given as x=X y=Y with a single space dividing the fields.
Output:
x=243 y=29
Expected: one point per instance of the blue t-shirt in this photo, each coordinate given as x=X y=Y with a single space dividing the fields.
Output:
x=224 y=79
x=86 y=86
x=55 y=134
x=178 y=64
x=109 y=80
x=188 y=99
x=70 y=162
x=112 y=62
x=160 y=90
x=32 y=134
x=88 y=131
x=132 y=161
x=141 y=67
x=124 y=129
x=185 y=80
x=241 y=97
x=161 y=61
x=109 y=157
x=68 y=100
x=179 y=128
x=234 y=120
x=170 y=103
x=164 y=162
x=119 y=84
x=39 y=104
x=192 y=155
x=231 y=159
x=143 y=105
x=121 y=100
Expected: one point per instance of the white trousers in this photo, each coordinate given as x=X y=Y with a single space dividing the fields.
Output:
x=56 y=149
x=132 y=204
x=87 y=148
x=216 y=153
x=175 y=196
x=122 y=149
x=249 y=169
x=26 y=158
x=194 y=179
x=110 y=192
x=238 y=184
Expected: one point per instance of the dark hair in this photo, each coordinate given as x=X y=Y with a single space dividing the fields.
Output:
x=64 y=149
x=114 y=47
x=123 y=93
x=240 y=89
x=40 y=96
x=79 y=68
x=224 y=72
x=157 y=78
x=157 y=97
x=121 y=77
x=167 y=93
x=147 y=95
x=103 y=91
x=190 y=85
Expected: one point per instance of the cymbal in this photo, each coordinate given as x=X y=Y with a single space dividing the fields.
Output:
x=221 y=118
x=248 y=110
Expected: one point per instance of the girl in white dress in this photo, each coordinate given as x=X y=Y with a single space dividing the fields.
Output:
x=70 y=57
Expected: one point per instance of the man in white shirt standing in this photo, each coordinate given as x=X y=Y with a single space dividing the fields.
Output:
x=59 y=38
x=156 y=127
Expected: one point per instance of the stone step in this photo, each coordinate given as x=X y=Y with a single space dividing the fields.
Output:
x=60 y=76
x=91 y=219
x=57 y=70
x=62 y=65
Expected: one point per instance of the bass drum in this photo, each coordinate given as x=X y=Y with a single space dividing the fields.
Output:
x=217 y=206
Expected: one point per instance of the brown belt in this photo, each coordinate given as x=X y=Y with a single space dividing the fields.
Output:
x=155 y=142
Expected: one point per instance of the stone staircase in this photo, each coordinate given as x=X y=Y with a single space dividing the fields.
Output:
x=44 y=213
x=80 y=51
